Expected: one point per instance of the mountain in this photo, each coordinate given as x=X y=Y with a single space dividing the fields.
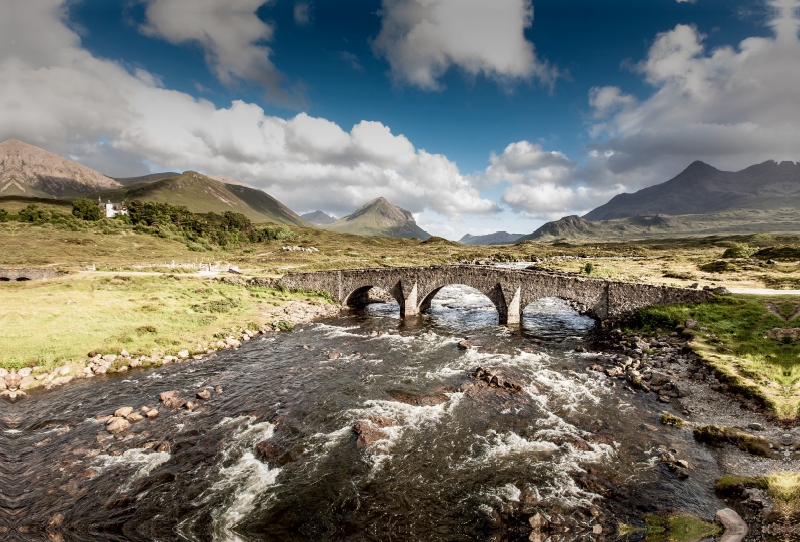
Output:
x=318 y=217
x=379 y=217
x=202 y=194
x=26 y=170
x=497 y=238
x=567 y=227
x=127 y=181
x=702 y=189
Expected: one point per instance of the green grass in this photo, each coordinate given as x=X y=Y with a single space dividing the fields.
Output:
x=678 y=529
x=49 y=323
x=738 y=347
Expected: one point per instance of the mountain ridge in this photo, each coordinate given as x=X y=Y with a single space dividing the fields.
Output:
x=379 y=217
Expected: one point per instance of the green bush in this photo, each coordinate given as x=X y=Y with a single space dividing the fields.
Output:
x=4 y=216
x=655 y=317
x=588 y=268
x=738 y=251
x=86 y=209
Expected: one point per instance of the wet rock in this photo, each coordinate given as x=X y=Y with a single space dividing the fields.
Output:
x=273 y=453
x=538 y=522
x=735 y=527
x=218 y=389
x=117 y=425
x=431 y=399
x=466 y=344
x=164 y=447
x=152 y=413
x=205 y=394
x=496 y=379
x=123 y=412
x=691 y=324
x=134 y=417
x=596 y=367
x=369 y=431
x=26 y=382
x=172 y=399
x=755 y=426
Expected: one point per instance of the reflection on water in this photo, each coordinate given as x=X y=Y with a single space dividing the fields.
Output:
x=435 y=470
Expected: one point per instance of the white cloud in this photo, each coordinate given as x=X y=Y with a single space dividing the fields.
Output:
x=421 y=39
x=730 y=107
x=230 y=34
x=58 y=95
x=302 y=13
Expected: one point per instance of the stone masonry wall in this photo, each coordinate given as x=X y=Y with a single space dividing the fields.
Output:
x=511 y=290
x=27 y=274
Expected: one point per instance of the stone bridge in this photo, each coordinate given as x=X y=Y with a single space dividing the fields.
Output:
x=510 y=290
x=27 y=274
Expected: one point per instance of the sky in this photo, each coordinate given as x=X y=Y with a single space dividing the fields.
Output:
x=475 y=115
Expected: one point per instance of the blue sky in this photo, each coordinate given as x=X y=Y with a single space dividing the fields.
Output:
x=584 y=101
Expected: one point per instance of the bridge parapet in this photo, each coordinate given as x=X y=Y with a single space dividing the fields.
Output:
x=510 y=290
x=20 y=274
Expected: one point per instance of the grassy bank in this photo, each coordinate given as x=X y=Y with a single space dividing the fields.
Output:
x=736 y=341
x=49 y=323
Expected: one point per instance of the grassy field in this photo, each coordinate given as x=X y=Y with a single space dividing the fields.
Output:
x=736 y=342
x=48 y=323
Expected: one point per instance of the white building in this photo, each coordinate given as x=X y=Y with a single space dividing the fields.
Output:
x=111 y=210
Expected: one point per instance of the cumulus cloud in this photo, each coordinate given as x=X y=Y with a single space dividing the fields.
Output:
x=421 y=39
x=731 y=107
x=58 y=95
x=230 y=34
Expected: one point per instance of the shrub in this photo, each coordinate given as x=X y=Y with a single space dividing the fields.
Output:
x=737 y=251
x=655 y=317
x=4 y=216
x=86 y=209
x=284 y=325
x=588 y=268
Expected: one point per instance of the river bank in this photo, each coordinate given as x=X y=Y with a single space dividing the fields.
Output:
x=76 y=327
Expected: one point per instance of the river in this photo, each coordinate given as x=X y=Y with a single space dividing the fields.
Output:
x=473 y=467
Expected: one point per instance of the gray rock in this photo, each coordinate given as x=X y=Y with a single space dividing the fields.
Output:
x=735 y=527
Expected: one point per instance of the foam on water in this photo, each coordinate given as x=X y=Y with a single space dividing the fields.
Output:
x=241 y=479
x=145 y=461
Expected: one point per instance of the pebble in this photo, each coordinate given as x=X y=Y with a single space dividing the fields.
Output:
x=117 y=425
x=123 y=412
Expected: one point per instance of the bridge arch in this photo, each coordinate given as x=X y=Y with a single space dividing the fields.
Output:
x=510 y=290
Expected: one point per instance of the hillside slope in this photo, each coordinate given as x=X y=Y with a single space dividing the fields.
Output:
x=202 y=194
x=497 y=238
x=702 y=189
x=318 y=217
x=379 y=217
x=26 y=170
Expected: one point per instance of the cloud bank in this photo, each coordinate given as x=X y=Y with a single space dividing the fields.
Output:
x=62 y=97
x=421 y=39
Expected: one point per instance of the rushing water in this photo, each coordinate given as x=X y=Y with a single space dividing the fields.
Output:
x=465 y=469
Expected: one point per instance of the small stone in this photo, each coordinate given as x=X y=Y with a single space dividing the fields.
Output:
x=537 y=522
x=205 y=394
x=164 y=447
x=110 y=358
x=190 y=405
x=664 y=399
x=218 y=389
x=123 y=369
x=26 y=382
x=691 y=324
x=755 y=426
x=134 y=417
x=25 y=371
x=597 y=529
x=124 y=353
x=135 y=363
x=123 y=412
x=117 y=425
x=152 y=413
x=466 y=344
x=172 y=399
x=183 y=354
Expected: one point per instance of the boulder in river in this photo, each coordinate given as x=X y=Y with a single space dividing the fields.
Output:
x=369 y=430
x=205 y=394
x=123 y=412
x=436 y=397
x=172 y=399
x=117 y=425
x=496 y=379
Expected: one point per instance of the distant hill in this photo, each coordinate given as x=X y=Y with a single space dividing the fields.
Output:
x=497 y=238
x=152 y=177
x=701 y=189
x=26 y=170
x=568 y=227
x=318 y=217
x=202 y=194
x=379 y=217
